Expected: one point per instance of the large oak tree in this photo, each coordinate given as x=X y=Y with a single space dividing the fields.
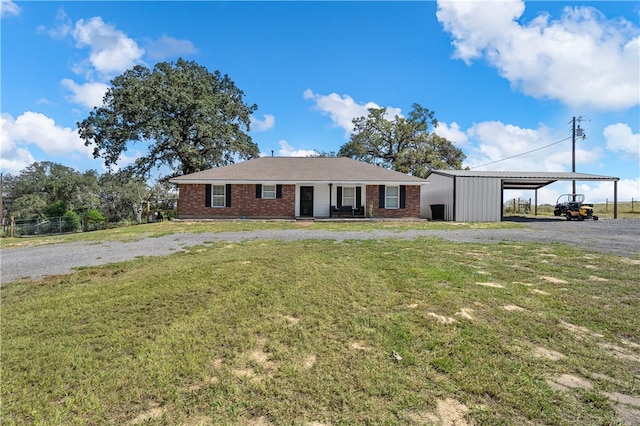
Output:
x=402 y=144
x=180 y=114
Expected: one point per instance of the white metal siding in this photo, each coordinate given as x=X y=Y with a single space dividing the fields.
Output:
x=478 y=199
x=439 y=190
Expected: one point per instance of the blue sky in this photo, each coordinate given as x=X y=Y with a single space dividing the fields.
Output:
x=504 y=77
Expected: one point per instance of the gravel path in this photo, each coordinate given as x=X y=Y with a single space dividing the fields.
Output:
x=620 y=237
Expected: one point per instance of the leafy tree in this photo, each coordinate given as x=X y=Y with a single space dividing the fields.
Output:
x=123 y=196
x=320 y=153
x=188 y=118
x=56 y=209
x=94 y=215
x=70 y=221
x=35 y=191
x=402 y=144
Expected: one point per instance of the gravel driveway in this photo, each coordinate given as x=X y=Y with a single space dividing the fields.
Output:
x=620 y=237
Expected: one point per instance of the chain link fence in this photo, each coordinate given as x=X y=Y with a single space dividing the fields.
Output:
x=48 y=226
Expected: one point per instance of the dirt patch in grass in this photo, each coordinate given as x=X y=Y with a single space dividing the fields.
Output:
x=579 y=331
x=490 y=284
x=448 y=412
x=565 y=382
x=465 y=313
x=198 y=421
x=309 y=361
x=360 y=346
x=540 y=292
x=513 y=308
x=627 y=407
x=599 y=279
x=623 y=354
x=291 y=320
x=258 y=421
x=547 y=354
x=553 y=280
x=452 y=412
x=441 y=318
x=154 y=413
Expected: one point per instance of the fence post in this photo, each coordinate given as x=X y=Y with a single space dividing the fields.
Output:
x=60 y=225
x=632 y=201
x=12 y=227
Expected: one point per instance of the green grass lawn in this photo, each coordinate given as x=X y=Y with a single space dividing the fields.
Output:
x=325 y=333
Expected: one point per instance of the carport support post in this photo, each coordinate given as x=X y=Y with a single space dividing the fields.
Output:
x=535 y=197
x=615 y=199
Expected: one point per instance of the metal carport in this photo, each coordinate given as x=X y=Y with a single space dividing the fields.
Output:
x=475 y=196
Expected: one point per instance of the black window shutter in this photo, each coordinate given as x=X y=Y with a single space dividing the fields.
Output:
x=207 y=195
x=258 y=190
x=227 y=201
x=339 y=196
x=403 y=196
x=278 y=191
x=381 y=195
x=358 y=197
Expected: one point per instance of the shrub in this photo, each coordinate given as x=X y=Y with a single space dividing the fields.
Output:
x=94 y=215
x=70 y=221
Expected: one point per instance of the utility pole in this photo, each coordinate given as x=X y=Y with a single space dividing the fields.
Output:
x=579 y=133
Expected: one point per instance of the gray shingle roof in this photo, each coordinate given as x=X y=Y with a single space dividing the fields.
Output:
x=300 y=170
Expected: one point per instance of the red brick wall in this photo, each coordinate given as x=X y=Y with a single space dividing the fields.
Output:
x=245 y=204
x=191 y=203
x=412 y=203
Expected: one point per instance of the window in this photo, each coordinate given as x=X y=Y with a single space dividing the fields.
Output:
x=217 y=196
x=392 y=197
x=349 y=196
x=268 y=191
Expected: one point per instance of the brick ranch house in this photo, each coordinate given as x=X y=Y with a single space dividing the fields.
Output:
x=292 y=187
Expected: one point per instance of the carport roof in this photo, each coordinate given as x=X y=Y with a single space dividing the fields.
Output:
x=523 y=180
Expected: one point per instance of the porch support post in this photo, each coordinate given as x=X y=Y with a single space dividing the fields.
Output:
x=330 y=200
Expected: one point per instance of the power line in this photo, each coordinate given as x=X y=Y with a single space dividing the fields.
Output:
x=523 y=153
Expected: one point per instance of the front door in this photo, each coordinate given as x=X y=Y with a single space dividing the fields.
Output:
x=306 y=201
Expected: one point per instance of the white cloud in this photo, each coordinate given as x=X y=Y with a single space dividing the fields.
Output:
x=621 y=139
x=452 y=133
x=263 y=125
x=112 y=51
x=88 y=94
x=168 y=47
x=33 y=128
x=287 y=150
x=12 y=157
x=62 y=28
x=342 y=109
x=495 y=141
x=582 y=59
x=9 y=8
